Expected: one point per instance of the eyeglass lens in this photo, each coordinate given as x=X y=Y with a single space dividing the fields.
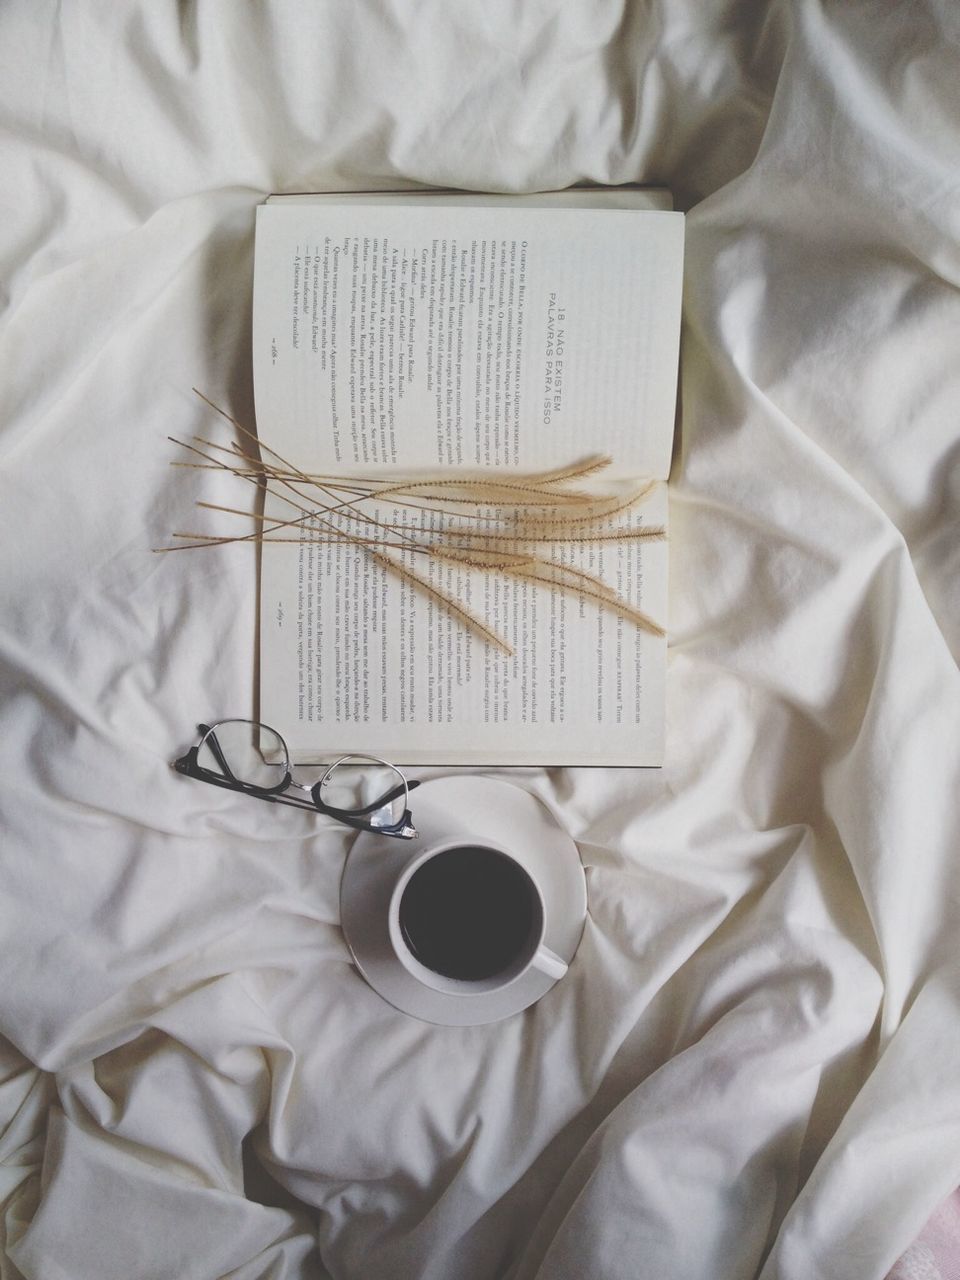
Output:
x=356 y=782
x=248 y=752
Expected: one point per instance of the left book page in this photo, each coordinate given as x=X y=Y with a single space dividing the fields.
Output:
x=418 y=335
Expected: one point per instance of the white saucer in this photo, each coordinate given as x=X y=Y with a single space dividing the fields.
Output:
x=491 y=810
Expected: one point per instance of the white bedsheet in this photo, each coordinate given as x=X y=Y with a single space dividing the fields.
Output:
x=751 y=1069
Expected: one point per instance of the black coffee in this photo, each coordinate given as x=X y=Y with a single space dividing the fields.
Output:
x=469 y=913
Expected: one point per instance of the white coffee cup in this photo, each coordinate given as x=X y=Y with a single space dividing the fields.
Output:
x=466 y=917
x=549 y=890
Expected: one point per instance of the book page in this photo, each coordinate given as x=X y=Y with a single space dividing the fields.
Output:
x=404 y=335
x=356 y=658
x=391 y=340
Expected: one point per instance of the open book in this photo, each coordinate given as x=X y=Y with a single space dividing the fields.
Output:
x=416 y=335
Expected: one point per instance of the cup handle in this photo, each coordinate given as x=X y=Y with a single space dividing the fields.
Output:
x=548 y=962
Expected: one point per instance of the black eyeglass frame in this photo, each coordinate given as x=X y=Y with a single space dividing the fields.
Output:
x=359 y=819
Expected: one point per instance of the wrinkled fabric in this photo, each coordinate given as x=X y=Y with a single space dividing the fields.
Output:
x=750 y=1070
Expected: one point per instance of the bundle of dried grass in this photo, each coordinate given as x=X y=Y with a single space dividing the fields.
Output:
x=506 y=523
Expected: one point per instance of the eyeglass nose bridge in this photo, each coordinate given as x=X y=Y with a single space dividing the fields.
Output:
x=306 y=787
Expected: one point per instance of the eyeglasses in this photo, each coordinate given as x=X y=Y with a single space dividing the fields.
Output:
x=246 y=756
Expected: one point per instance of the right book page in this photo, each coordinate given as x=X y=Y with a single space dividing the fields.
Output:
x=417 y=336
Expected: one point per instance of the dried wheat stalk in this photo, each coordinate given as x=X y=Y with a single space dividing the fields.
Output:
x=483 y=522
